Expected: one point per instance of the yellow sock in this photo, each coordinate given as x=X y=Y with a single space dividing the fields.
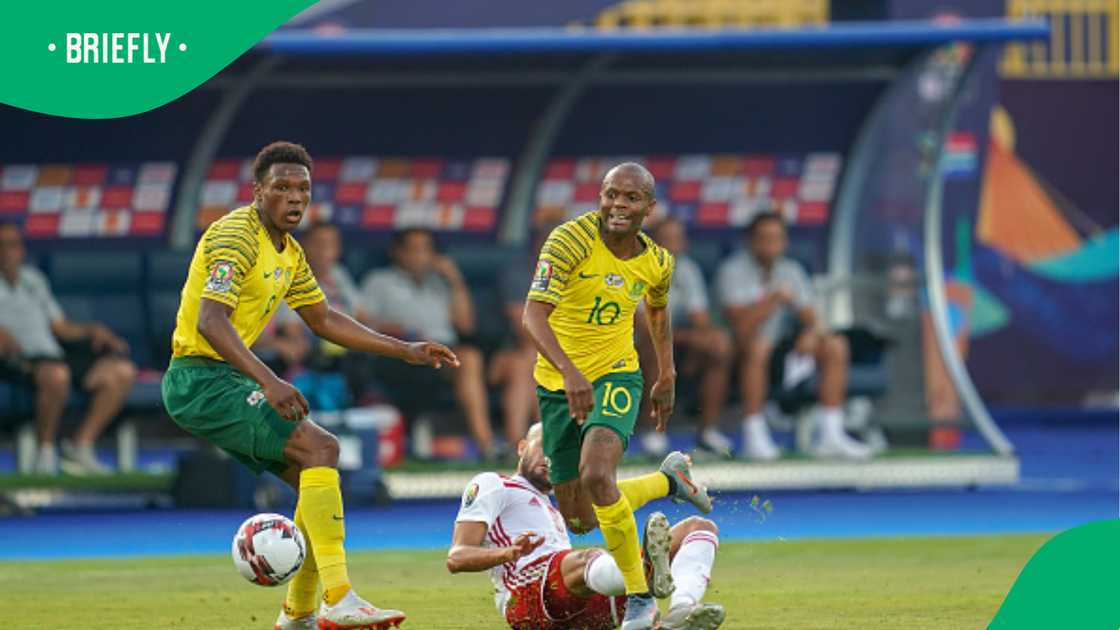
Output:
x=641 y=490
x=305 y=584
x=621 y=533
x=320 y=505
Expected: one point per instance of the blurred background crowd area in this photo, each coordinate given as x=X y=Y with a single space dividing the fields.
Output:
x=437 y=174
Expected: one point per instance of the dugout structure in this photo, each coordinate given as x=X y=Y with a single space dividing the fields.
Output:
x=853 y=118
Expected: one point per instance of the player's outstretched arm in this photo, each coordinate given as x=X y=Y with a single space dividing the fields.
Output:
x=468 y=555
x=576 y=386
x=340 y=328
x=215 y=327
x=663 y=393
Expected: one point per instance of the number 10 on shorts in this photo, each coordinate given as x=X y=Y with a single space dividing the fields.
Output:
x=616 y=400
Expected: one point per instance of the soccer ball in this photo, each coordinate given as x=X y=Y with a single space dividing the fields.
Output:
x=268 y=549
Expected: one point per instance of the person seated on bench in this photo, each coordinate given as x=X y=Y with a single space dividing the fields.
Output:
x=702 y=347
x=33 y=333
x=423 y=294
x=768 y=302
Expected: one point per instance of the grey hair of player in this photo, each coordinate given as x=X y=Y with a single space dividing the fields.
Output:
x=639 y=170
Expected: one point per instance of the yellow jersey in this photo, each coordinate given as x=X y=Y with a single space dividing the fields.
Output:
x=236 y=263
x=595 y=295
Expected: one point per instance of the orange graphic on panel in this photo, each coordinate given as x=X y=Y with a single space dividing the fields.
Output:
x=1017 y=216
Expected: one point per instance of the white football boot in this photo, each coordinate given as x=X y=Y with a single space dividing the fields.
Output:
x=656 y=544
x=354 y=613
x=694 y=617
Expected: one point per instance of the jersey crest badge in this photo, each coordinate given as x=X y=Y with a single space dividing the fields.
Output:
x=543 y=277
x=470 y=495
x=221 y=277
x=637 y=290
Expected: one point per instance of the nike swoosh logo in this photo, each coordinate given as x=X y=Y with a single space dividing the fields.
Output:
x=691 y=487
x=336 y=517
x=587 y=275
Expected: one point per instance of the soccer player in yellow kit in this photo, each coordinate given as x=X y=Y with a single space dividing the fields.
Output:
x=217 y=389
x=592 y=273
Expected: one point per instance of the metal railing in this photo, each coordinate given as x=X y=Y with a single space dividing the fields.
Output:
x=1084 y=41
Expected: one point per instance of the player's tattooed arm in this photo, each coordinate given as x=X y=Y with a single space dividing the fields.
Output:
x=663 y=393
x=468 y=555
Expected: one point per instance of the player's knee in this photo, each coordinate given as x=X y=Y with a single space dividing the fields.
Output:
x=701 y=524
x=579 y=560
x=598 y=482
x=316 y=448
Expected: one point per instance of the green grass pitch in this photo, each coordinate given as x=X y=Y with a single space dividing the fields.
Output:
x=870 y=584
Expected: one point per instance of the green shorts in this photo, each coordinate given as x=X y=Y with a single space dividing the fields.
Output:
x=617 y=397
x=212 y=400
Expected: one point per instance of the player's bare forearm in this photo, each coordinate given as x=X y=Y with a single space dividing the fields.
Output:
x=215 y=327
x=661 y=332
x=467 y=553
x=345 y=331
x=472 y=558
x=340 y=328
x=535 y=322
x=663 y=393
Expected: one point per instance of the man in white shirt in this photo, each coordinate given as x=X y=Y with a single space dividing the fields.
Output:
x=704 y=350
x=768 y=301
x=509 y=527
x=32 y=325
x=423 y=295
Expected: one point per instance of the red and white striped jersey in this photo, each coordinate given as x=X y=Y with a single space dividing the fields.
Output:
x=511 y=506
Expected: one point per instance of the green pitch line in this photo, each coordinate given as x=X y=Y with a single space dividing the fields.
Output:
x=876 y=584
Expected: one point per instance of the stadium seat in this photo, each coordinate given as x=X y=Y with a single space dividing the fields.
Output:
x=707 y=255
x=482 y=267
x=103 y=287
x=113 y=272
x=362 y=193
x=482 y=264
x=167 y=269
x=124 y=314
x=166 y=272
